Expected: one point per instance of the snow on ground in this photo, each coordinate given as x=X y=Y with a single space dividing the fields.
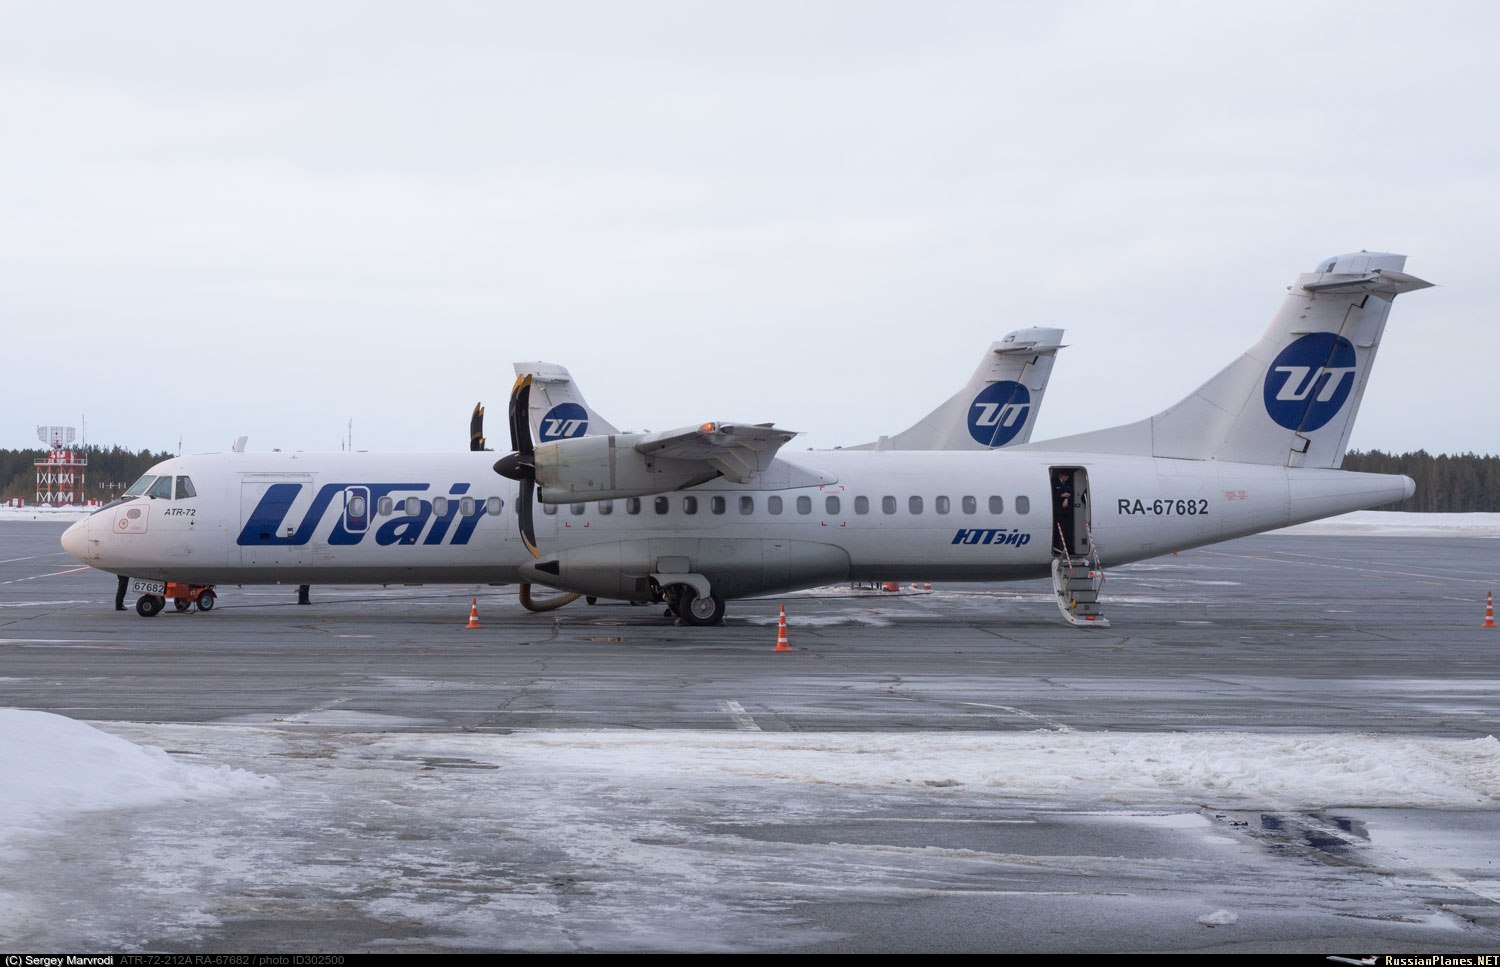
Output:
x=55 y=766
x=1383 y=523
x=50 y=514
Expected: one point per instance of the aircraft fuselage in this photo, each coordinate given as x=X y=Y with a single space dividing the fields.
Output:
x=355 y=518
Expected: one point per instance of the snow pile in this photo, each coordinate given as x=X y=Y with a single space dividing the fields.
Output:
x=53 y=766
x=1219 y=918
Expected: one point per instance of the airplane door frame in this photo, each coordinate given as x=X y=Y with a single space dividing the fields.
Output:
x=1076 y=520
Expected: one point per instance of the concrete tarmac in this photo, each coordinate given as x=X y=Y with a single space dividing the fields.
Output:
x=444 y=789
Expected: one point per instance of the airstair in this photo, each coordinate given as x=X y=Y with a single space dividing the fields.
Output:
x=1077 y=579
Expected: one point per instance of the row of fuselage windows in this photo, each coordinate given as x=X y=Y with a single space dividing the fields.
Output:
x=441 y=506
x=832 y=505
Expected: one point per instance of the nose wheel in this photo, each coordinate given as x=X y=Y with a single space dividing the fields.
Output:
x=150 y=605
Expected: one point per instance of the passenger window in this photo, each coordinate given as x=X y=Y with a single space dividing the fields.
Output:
x=690 y=505
x=413 y=506
x=632 y=505
x=914 y=505
x=831 y=505
x=887 y=505
x=606 y=507
x=139 y=487
x=662 y=505
x=940 y=504
x=162 y=489
x=493 y=505
x=716 y=504
x=861 y=505
x=577 y=509
x=804 y=504
x=747 y=504
x=466 y=506
x=185 y=488
x=385 y=506
x=773 y=505
x=357 y=507
x=971 y=506
x=997 y=505
x=550 y=510
x=440 y=506
x=1023 y=505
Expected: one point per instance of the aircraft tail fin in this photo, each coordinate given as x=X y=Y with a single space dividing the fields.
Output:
x=996 y=408
x=558 y=410
x=1292 y=398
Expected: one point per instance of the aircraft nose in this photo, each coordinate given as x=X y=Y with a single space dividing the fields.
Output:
x=75 y=540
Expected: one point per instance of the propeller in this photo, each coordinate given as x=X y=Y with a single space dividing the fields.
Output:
x=476 y=428
x=520 y=464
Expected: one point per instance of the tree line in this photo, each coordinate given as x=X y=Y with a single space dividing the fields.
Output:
x=1449 y=484
x=1446 y=484
x=110 y=471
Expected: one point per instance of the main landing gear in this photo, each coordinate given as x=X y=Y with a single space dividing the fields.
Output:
x=692 y=608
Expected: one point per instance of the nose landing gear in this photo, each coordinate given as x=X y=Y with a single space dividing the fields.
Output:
x=184 y=598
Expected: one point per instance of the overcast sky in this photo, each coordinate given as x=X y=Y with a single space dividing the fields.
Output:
x=269 y=219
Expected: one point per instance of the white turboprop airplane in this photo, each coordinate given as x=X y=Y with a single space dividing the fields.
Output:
x=711 y=512
x=997 y=407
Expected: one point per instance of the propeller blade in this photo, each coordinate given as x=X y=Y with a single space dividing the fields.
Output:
x=523 y=516
x=476 y=428
x=520 y=415
x=520 y=464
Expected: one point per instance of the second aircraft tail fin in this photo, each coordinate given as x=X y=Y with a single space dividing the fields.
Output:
x=996 y=408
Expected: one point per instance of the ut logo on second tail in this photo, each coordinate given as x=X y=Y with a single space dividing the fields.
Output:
x=998 y=413
x=1310 y=380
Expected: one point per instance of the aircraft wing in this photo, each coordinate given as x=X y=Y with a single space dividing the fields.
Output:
x=736 y=450
x=636 y=464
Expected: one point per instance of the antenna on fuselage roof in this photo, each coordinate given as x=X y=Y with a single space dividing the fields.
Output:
x=239 y=444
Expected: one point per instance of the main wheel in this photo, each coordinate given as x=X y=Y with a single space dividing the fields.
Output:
x=206 y=600
x=701 y=611
x=149 y=606
x=182 y=604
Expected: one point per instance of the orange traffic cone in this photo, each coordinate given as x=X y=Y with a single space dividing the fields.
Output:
x=781 y=644
x=1489 y=610
x=473 y=614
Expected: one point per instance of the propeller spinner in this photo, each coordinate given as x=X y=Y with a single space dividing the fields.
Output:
x=520 y=464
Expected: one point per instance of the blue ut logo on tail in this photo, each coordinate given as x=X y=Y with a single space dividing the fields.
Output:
x=1310 y=380
x=563 y=422
x=998 y=413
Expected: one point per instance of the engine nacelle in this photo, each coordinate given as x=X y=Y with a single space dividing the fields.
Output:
x=607 y=467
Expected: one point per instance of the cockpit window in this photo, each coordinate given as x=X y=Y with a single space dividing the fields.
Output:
x=139 y=487
x=185 y=488
x=162 y=488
